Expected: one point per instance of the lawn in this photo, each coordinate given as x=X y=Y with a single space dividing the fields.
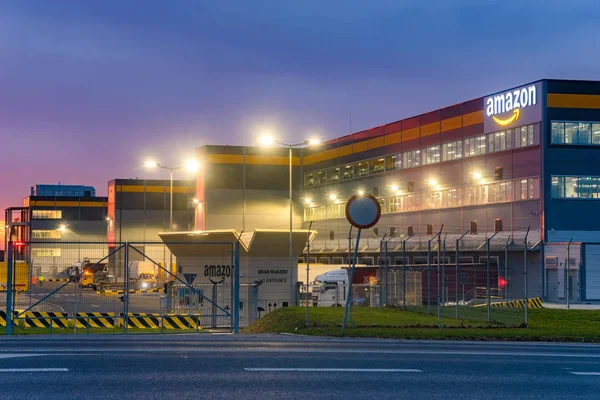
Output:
x=507 y=324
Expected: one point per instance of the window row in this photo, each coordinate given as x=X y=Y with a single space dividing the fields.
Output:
x=576 y=187
x=577 y=133
x=46 y=214
x=45 y=252
x=456 y=150
x=496 y=192
x=45 y=234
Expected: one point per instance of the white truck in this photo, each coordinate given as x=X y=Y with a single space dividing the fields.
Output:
x=330 y=289
x=143 y=274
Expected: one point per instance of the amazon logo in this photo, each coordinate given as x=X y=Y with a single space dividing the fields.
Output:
x=506 y=108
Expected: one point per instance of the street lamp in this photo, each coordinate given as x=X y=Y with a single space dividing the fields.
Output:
x=190 y=166
x=270 y=141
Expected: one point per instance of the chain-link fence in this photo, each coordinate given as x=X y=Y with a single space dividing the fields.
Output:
x=120 y=287
x=468 y=277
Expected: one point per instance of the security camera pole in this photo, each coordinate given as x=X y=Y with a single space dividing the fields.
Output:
x=363 y=212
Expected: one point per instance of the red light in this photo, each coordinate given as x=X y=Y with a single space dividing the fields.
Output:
x=19 y=244
x=501 y=282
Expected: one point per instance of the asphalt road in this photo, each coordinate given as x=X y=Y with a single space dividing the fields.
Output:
x=87 y=300
x=286 y=367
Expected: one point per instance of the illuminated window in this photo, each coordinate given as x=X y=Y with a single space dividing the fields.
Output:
x=377 y=165
x=45 y=253
x=320 y=178
x=524 y=136
x=309 y=179
x=393 y=162
x=333 y=175
x=411 y=158
x=46 y=214
x=577 y=133
x=452 y=151
x=362 y=169
x=431 y=155
x=475 y=146
x=46 y=234
x=575 y=187
x=348 y=172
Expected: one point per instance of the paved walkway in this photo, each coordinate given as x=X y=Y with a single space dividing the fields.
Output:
x=592 y=306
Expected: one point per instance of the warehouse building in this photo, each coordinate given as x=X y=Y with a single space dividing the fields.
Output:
x=52 y=218
x=517 y=161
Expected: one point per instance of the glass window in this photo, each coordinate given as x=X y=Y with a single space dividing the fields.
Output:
x=556 y=186
x=452 y=151
x=348 y=172
x=309 y=179
x=570 y=187
x=45 y=252
x=558 y=132
x=491 y=147
x=411 y=158
x=570 y=132
x=362 y=168
x=46 y=214
x=333 y=175
x=321 y=178
x=391 y=163
x=431 y=155
x=596 y=133
x=377 y=165
x=46 y=234
x=475 y=146
x=509 y=136
x=585 y=133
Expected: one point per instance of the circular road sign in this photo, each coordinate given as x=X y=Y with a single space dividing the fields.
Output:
x=363 y=211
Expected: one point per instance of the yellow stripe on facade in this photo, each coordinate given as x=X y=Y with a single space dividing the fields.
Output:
x=430 y=129
x=154 y=189
x=473 y=118
x=47 y=203
x=392 y=138
x=411 y=134
x=375 y=142
x=451 y=123
x=345 y=150
x=557 y=100
x=360 y=147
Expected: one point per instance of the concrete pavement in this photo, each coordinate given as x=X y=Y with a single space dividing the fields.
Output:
x=290 y=367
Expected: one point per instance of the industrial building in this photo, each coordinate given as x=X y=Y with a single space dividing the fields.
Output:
x=52 y=217
x=518 y=160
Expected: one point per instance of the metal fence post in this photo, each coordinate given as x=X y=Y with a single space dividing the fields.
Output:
x=9 y=288
x=525 y=280
x=489 y=279
x=236 y=299
x=126 y=290
x=457 y=257
x=404 y=274
x=308 y=295
x=568 y=287
x=386 y=289
x=429 y=276
x=380 y=263
x=439 y=283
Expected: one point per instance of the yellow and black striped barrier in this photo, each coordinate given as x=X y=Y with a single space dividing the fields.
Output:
x=95 y=320
x=143 y=321
x=36 y=319
x=39 y=319
x=165 y=321
x=181 y=321
x=535 y=302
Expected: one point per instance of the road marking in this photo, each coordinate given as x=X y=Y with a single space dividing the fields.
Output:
x=19 y=355
x=34 y=370
x=331 y=370
x=586 y=373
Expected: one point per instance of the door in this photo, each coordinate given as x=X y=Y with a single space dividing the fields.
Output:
x=592 y=272
x=552 y=285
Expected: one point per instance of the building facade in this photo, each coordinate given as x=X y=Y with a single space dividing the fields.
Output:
x=53 y=225
x=518 y=164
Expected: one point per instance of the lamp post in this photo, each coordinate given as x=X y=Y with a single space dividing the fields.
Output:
x=190 y=166
x=270 y=141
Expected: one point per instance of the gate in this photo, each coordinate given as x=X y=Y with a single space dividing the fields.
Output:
x=83 y=287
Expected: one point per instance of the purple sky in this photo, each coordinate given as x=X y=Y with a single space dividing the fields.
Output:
x=92 y=88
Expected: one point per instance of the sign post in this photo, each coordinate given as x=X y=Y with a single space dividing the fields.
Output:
x=363 y=212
